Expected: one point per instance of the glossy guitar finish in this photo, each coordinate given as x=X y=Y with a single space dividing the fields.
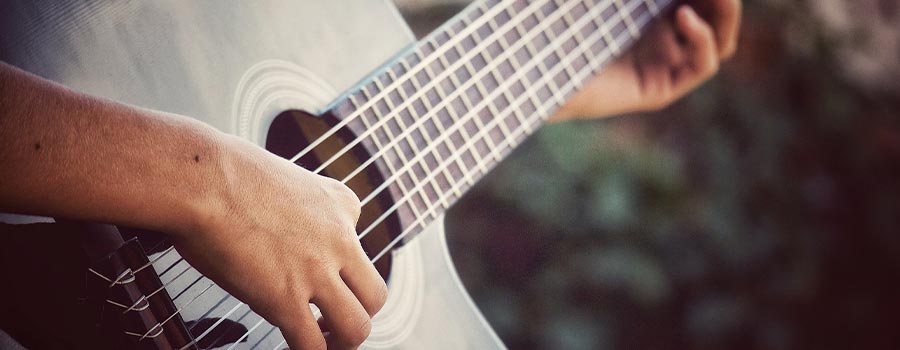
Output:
x=236 y=65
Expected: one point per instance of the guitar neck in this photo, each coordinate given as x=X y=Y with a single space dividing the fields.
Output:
x=442 y=115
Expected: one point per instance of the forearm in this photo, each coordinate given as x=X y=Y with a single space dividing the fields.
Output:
x=63 y=153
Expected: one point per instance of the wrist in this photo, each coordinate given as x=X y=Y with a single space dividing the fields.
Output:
x=205 y=192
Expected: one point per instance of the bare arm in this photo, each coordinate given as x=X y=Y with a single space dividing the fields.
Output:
x=71 y=155
x=247 y=219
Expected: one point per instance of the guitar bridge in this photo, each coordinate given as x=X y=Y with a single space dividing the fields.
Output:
x=135 y=307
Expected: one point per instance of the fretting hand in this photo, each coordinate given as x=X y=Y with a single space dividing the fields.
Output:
x=677 y=55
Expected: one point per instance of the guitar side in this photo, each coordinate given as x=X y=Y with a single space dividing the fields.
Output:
x=236 y=66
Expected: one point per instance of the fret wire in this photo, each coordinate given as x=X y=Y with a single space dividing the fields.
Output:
x=470 y=69
x=514 y=61
x=540 y=28
x=464 y=97
x=374 y=136
x=506 y=93
x=504 y=44
x=567 y=20
x=440 y=90
x=425 y=133
x=552 y=34
x=354 y=142
x=542 y=66
x=629 y=22
x=505 y=85
x=538 y=114
x=579 y=37
x=401 y=154
x=651 y=4
x=393 y=85
x=607 y=35
x=450 y=112
x=412 y=142
x=493 y=108
x=488 y=141
x=593 y=65
x=450 y=145
x=523 y=124
x=442 y=59
x=531 y=50
x=453 y=113
x=533 y=99
x=396 y=145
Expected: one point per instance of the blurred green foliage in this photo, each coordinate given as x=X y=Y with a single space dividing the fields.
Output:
x=761 y=212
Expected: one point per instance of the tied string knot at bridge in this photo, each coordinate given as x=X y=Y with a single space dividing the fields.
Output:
x=131 y=301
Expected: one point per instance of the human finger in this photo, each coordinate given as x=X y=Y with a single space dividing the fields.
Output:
x=703 y=60
x=668 y=45
x=365 y=282
x=346 y=319
x=725 y=18
x=302 y=331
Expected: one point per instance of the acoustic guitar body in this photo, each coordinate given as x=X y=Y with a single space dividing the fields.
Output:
x=261 y=70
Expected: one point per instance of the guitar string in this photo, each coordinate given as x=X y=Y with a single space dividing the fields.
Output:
x=602 y=60
x=230 y=327
x=458 y=92
x=433 y=83
x=396 y=85
x=470 y=115
x=545 y=51
x=488 y=15
x=486 y=42
x=542 y=107
x=457 y=125
x=258 y=323
x=535 y=119
x=417 y=68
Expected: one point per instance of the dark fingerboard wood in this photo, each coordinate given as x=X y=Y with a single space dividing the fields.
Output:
x=444 y=114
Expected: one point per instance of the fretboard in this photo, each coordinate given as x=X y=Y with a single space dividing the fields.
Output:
x=442 y=115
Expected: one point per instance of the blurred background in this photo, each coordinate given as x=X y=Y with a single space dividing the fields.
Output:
x=761 y=212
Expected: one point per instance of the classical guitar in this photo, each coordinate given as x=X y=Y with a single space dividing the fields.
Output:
x=339 y=87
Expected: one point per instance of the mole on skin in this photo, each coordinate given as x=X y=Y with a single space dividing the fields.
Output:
x=37 y=146
x=197 y=158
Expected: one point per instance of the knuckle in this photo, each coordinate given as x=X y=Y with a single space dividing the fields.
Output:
x=348 y=199
x=358 y=334
x=343 y=198
x=339 y=191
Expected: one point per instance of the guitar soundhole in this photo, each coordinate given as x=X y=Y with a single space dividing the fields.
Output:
x=292 y=131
